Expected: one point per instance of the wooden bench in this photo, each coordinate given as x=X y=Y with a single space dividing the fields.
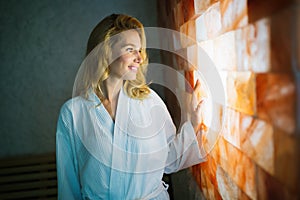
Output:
x=30 y=177
x=34 y=177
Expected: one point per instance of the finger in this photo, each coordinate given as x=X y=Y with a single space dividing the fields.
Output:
x=196 y=94
x=201 y=101
x=199 y=104
x=197 y=108
x=197 y=85
x=197 y=82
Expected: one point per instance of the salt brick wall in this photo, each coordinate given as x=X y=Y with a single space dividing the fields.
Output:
x=255 y=47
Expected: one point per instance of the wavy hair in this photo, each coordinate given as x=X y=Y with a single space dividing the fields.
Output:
x=95 y=69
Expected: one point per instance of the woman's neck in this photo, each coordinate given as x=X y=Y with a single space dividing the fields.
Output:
x=112 y=87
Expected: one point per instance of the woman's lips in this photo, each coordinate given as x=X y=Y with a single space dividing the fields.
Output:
x=133 y=68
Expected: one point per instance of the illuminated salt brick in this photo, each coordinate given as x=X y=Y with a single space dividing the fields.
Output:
x=240 y=168
x=246 y=49
x=242 y=51
x=213 y=21
x=201 y=6
x=189 y=80
x=188 y=34
x=192 y=57
x=223 y=77
x=258 y=9
x=256 y=138
x=208 y=188
x=234 y=14
x=208 y=47
x=196 y=172
x=268 y=43
x=181 y=82
x=212 y=112
x=231 y=131
x=178 y=15
x=269 y=187
x=217 y=119
x=209 y=167
x=221 y=180
x=276 y=100
x=208 y=25
x=225 y=52
x=287 y=159
x=181 y=59
x=201 y=29
x=227 y=187
x=218 y=88
x=215 y=83
x=209 y=140
x=252 y=136
x=253 y=47
x=176 y=41
x=241 y=91
x=205 y=62
x=189 y=11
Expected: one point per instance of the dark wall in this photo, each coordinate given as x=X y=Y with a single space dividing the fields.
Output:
x=42 y=46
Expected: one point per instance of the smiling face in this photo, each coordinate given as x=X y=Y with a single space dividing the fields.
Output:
x=127 y=54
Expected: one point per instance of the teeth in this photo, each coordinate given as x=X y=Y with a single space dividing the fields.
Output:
x=133 y=68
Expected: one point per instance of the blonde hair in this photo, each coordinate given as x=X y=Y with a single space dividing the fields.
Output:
x=98 y=54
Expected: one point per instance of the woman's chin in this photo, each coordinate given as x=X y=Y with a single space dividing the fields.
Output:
x=130 y=77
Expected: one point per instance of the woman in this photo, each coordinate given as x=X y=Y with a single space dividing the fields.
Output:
x=116 y=139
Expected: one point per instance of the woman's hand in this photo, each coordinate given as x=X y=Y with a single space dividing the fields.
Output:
x=196 y=116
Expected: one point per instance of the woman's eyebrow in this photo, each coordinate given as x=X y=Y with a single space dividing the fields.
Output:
x=129 y=44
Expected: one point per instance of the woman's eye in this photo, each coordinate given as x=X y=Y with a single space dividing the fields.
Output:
x=130 y=50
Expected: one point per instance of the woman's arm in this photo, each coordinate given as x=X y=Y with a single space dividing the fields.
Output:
x=184 y=150
x=67 y=175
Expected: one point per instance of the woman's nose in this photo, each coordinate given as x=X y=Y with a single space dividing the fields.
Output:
x=138 y=57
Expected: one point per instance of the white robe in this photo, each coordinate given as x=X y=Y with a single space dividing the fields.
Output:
x=98 y=158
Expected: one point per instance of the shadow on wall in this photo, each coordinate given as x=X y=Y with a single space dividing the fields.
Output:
x=42 y=46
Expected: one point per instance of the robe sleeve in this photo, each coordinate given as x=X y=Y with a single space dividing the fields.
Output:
x=183 y=150
x=67 y=175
